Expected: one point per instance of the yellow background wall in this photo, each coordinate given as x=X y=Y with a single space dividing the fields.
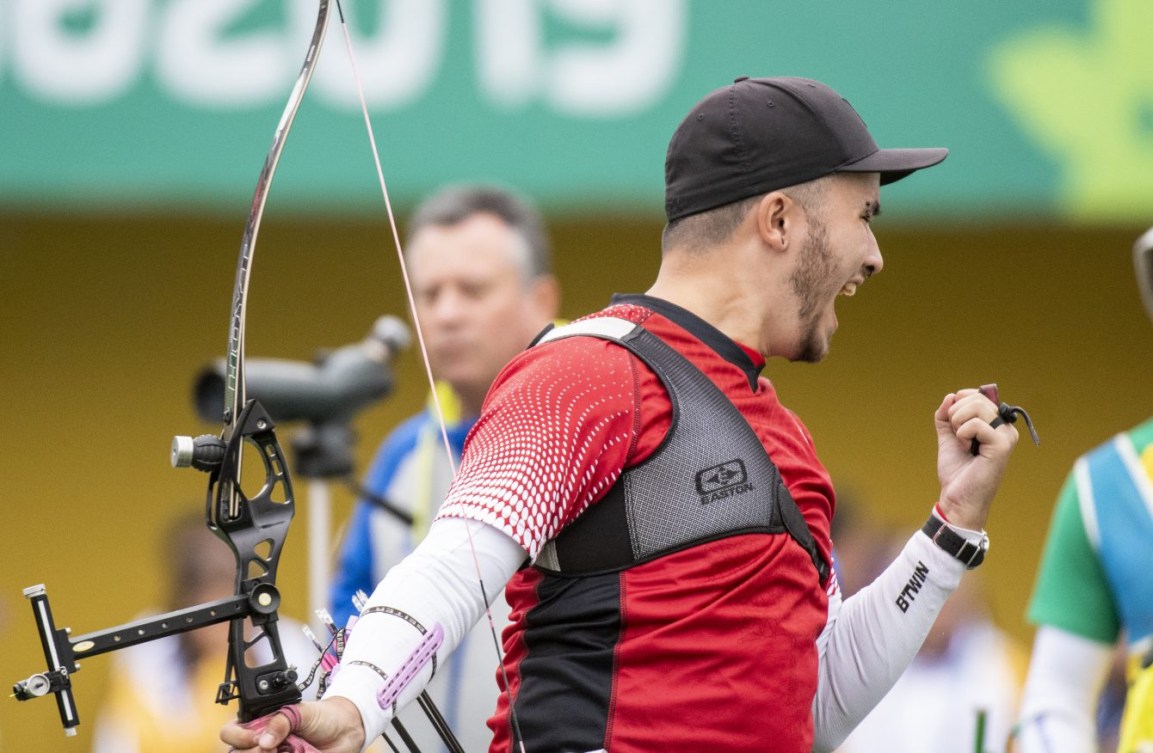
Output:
x=105 y=321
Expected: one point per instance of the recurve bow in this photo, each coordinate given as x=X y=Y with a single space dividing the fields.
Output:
x=254 y=523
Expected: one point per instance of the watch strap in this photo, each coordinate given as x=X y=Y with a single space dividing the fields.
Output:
x=972 y=553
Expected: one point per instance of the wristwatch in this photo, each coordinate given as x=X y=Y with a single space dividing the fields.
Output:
x=956 y=545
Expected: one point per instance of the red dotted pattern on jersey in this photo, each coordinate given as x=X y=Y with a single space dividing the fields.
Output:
x=717 y=642
x=555 y=434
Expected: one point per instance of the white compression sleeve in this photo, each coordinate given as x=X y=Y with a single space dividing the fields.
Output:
x=1058 y=709
x=877 y=632
x=435 y=585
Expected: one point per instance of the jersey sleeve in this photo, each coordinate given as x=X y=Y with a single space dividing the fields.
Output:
x=1071 y=592
x=554 y=435
x=872 y=638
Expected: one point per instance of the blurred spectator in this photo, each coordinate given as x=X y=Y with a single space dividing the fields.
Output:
x=863 y=544
x=1093 y=587
x=479 y=261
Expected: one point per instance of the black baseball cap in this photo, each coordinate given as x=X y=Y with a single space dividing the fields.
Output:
x=761 y=134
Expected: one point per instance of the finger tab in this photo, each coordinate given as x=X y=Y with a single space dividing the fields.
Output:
x=292 y=714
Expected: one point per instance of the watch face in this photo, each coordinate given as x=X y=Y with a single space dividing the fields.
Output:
x=982 y=547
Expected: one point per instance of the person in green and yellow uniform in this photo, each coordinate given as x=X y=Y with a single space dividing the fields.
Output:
x=1094 y=587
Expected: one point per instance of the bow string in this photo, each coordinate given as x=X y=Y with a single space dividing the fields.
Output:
x=423 y=700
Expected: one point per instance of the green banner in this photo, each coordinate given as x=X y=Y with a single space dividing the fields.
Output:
x=1046 y=105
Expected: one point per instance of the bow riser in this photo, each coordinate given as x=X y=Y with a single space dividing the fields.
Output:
x=254 y=528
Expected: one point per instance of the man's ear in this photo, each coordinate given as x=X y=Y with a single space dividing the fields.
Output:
x=777 y=219
x=545 y=295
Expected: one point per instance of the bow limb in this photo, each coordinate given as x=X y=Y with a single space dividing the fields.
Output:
x=255 y=527
x=234 y=384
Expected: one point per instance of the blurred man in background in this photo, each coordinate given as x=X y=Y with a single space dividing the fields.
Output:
x=1094 y=586
x=479 y=261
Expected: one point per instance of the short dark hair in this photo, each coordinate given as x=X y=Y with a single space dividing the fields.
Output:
x=706 y=228
x=455 y=204
x=713 y=226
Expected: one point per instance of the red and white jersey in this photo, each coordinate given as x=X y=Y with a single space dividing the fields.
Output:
x=712 y=647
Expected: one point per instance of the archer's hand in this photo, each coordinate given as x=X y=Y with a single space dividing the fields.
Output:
x=329 y=726
x=968 y=481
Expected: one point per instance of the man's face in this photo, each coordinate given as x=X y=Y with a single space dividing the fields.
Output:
x=836 y=256
x=477 y=309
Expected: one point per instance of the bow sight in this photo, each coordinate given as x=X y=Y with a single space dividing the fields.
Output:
x=254 y=527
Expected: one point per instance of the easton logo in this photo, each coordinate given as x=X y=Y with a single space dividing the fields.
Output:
x=723 y=481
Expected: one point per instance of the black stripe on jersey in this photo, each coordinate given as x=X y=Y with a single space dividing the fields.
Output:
x=566 y=687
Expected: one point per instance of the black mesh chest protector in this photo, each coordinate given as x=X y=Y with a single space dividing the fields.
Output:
x=710 y=478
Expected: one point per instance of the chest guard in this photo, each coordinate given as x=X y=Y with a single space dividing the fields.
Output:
x=710 y=478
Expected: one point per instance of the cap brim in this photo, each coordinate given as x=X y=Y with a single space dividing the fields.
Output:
x=894 y=164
